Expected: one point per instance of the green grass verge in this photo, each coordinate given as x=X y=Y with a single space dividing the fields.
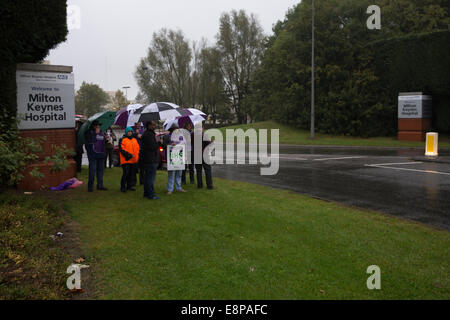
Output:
x=290 y=135
x=244 y=241
x=32 y=265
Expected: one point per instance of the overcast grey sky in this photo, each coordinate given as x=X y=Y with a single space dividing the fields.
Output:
x=115 y=34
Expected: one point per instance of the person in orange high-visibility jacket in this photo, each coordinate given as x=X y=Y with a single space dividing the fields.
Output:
x=129 y=156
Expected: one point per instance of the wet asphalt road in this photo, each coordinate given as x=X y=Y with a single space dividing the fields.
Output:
x=376 y=179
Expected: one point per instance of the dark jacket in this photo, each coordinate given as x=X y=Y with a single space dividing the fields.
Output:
x=79 y=147
x=166 y=141
x=204 y=143
x=149 y=152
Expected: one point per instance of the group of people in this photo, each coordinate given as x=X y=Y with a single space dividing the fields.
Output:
x=139 y=152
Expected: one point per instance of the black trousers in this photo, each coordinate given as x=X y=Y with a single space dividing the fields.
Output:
x=135 y=170
x=189 y=167
x=208 y=175
x=78 y=159
x=126 y=182
x=141 y=173
x=109 y=155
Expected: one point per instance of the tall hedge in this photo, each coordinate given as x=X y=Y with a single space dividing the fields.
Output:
x=357 y=81
x=412 y=63
x=28 y=30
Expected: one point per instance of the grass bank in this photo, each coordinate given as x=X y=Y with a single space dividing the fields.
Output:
x=290 y=135
x=244 y=241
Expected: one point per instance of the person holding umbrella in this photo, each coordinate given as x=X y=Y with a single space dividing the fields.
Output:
x=188 y=122
x=174 y=176
x=202 y=164
x=190 y=165
x=150 y=159
x=95 y=147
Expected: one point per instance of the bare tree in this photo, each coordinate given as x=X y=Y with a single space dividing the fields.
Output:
x=240 y=42
x=211 y=85
x=164 y=75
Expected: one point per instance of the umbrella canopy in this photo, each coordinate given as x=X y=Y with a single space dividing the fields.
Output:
x=105 y=118
x=192 y=112
x=169 y=123
x=157 y=111
x=123 y=114
x=195 y=119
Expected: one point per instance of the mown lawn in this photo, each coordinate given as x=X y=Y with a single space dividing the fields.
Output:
x=290 y=135
x=244 y=241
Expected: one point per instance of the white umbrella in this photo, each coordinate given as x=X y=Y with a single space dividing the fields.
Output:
x=195 y=119
x=158 y=111
x=193 y=112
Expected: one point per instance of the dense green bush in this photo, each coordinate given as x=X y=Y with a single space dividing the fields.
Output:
x=356 y=92
x=17 y=152
x=28 y=30
x=412 y=63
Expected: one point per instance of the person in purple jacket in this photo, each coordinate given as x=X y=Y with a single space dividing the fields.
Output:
x=95 y=147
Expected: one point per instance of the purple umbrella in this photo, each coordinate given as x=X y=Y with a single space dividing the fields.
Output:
x=123 y=114
x=182 y=121
x=192 y=112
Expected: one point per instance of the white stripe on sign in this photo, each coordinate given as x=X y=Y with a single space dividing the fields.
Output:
x=405 y=169
x=341 y=158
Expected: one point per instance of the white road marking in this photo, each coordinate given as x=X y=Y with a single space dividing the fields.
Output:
x=405 y=169
x=341 y=158
x=398 y=163
x=293 y=158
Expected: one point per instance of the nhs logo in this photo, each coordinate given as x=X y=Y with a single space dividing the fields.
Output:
x=63 y=77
